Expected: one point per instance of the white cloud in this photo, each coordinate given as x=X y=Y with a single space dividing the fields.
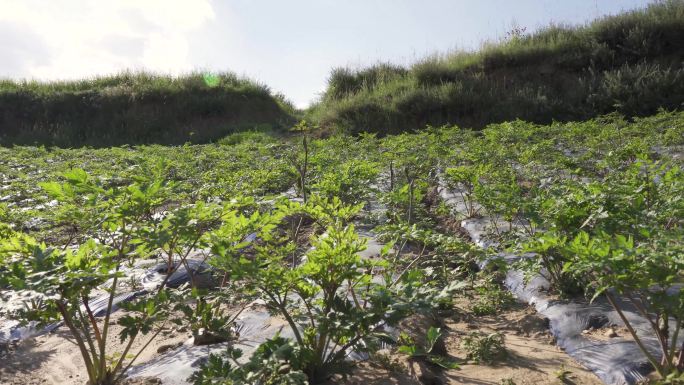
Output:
x=89 y=37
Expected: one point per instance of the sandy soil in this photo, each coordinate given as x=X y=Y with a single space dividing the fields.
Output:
x=367 y=373
x=532 y=356
x=54 y=359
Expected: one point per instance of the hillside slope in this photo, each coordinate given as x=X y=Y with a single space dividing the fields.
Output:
x=136 y=108
x=632 y=63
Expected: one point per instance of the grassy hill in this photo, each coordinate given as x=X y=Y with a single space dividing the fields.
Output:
x=632 y=63
x=135 y=108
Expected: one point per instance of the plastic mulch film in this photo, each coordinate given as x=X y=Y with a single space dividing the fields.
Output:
x=617 y=360
x=12 y=331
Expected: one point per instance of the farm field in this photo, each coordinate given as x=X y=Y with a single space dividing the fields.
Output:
x=517 y=254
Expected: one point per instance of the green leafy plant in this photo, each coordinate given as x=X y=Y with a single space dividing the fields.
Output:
x=464 y=179
x=491 y=299
x=499 y=192
x=484 y=348
x=276 y=361
x=550 y=257
x=647 y=273
x=426 y=352
x=443 y=258
x=674 y=378
x=351 y=182
x=208 y=321
x=563 y=374
x=300 y=160
x=61 y=282
x=330 y=301
x=412 y=165
x=181 y=230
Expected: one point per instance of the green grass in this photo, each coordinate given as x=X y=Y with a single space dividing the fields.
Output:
x=631 y=63
x=137 y=108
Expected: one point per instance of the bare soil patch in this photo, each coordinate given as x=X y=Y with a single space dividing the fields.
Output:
x=532 y=357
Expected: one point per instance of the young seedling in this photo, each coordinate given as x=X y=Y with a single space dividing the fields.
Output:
x=481 y=348
x=427 y=352
x=563 y=374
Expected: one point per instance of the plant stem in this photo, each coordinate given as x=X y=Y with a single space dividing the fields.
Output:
x=285 y=314
x=136 y=355
x=92 y=375
x=673 y=345
x=391 y=169
x=86 y=334
x=93 y=321
x=631 y=330
x=662 y=340
x=105 y=326
x=408 y=267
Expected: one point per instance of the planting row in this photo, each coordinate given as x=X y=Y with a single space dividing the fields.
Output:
x=598 y=206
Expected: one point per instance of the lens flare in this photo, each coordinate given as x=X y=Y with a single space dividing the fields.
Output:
x=211 y=80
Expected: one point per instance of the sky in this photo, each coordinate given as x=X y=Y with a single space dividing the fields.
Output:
x=290 y=45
